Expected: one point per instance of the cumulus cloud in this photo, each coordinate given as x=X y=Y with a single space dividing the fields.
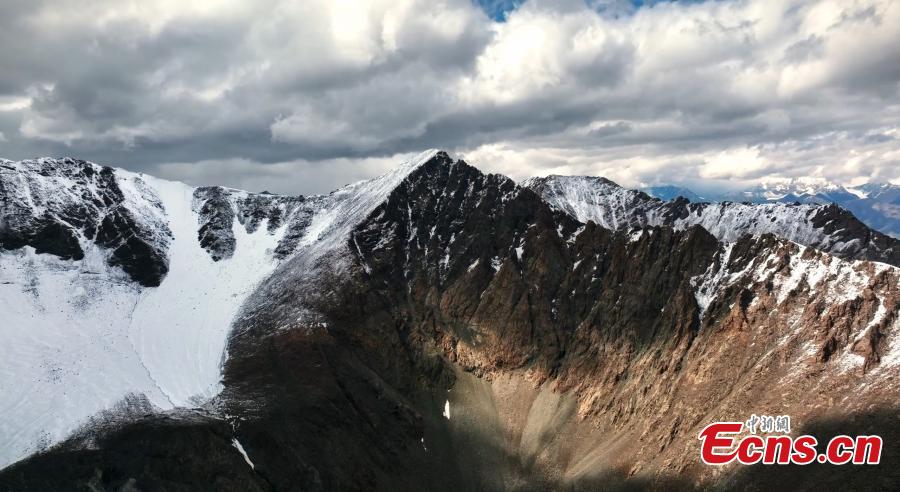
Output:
x=270 y=94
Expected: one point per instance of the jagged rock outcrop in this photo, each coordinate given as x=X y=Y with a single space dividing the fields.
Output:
x=218 y=209
x=55 y=205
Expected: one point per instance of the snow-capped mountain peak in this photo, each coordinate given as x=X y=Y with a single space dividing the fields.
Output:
x=593 y=198
x=775 y=189
x=338 y=212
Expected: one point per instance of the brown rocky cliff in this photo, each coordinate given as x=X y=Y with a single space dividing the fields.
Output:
x=612 y=317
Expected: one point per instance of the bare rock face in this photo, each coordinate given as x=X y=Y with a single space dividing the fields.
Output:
x=219 y=207
x=56 y=205
x=467 y=335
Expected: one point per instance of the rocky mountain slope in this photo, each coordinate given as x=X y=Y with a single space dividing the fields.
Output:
x=438 y=325
x=825 y=227
x=876 y=204
x=55 y=205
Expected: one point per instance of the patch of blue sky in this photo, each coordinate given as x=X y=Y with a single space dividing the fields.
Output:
x=499 y=10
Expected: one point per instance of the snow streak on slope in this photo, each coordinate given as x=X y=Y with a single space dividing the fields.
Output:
x=596 y=199
x=838 y=314
x=323 y=247
x=343 y=209
x=730 y=221
x=81 y=335
x=834 y=279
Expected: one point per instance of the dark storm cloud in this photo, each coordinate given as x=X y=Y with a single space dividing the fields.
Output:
x=301 y=96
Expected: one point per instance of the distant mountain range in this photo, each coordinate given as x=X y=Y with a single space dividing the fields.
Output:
x=671 y=192
x=875 y=204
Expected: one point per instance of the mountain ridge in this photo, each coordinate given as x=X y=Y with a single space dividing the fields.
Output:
x=875 y=204
x=440 y=310
x=829 y=227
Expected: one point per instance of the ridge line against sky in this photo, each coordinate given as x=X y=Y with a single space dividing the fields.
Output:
x=302 y=97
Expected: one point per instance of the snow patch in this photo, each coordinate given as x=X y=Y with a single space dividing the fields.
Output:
x=237 y=445
x=708 y=285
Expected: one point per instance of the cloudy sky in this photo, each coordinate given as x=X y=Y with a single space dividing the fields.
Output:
x=304 y=96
